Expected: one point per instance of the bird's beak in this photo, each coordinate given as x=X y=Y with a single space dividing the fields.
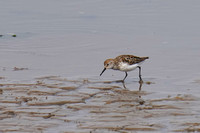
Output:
x=102 y=71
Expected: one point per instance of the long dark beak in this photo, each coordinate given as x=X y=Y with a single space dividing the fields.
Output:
x=102 y=71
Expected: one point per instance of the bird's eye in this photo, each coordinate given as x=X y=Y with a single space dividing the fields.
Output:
x=107 y=64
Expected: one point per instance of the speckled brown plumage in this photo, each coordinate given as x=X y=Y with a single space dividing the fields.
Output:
x=130 y=59
x=124 y=63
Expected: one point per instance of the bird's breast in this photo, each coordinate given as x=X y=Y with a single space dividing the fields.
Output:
x=126 y=67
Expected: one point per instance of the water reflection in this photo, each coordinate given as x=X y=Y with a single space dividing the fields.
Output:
x=124 y=85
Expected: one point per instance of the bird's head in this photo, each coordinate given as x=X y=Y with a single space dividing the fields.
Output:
x=108 y=64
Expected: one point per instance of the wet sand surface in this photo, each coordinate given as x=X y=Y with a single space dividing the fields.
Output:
x=56 y=104
x=51 y=59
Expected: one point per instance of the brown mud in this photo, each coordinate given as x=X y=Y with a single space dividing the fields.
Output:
x=50 y=104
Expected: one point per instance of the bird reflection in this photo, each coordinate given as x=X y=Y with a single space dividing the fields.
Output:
x=121 y=81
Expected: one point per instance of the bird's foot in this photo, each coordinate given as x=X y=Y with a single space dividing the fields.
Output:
x=119 y=81
x=140 y=81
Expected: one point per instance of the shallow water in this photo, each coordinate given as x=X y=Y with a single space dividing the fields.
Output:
x=49 y=72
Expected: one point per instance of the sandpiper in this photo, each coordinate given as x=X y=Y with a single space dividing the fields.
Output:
x=124 y=63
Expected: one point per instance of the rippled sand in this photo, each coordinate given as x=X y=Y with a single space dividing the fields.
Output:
x=50 y=104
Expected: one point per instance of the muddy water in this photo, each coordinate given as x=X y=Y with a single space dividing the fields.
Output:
x=49 y=71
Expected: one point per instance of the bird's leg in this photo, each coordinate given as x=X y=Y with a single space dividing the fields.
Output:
x=140 y=87
x=124 y=85
x=125 y=76
x=140 y=74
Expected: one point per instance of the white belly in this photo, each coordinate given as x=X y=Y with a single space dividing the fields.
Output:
x=126 y=67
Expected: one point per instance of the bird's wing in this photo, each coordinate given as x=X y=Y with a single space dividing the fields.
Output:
x=130 y=59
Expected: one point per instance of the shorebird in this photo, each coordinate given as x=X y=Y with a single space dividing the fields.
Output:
x=124 y=63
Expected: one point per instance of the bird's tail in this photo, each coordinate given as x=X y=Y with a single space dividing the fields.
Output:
x=140 y=59
x=145 y=58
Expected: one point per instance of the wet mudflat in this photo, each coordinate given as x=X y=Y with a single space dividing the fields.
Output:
x=56 y=104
